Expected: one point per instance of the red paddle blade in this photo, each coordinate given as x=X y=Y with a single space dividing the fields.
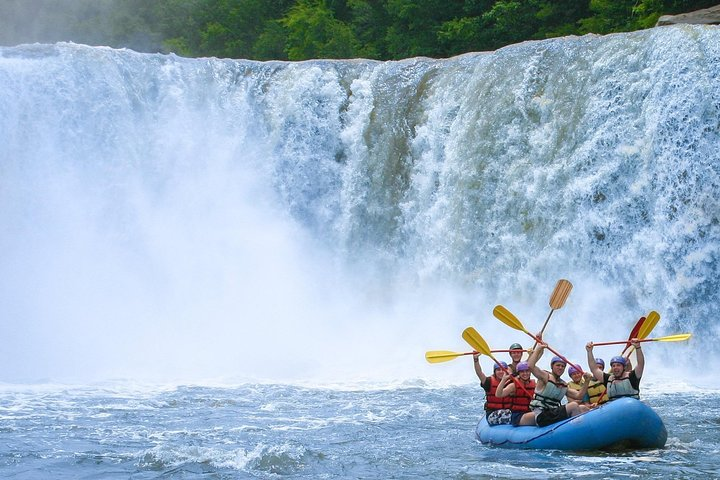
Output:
x=634 y=333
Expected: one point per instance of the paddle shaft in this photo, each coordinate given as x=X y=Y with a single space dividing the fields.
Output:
x=445 y=355
x=567 y=362
x=542 y=330
x=671 y=338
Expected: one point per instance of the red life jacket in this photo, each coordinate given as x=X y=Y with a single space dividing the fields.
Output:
x=492 y=401
x=521 y=400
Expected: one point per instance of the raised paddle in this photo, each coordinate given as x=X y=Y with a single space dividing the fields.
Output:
x=634 y=333
x=681 y=337
x=476 y=341
x=652 y=319
x=647 y=326
x=505 y=316
x=557 y=299
x=439 y=356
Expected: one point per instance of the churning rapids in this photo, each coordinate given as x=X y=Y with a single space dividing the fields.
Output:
x=226 y=222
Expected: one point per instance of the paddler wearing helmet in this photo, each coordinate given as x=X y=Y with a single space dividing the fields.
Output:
x=516 y=353
x=546 y=407
x=520 y=390
x=497 y=410
x=619 y=382
x=575 y=375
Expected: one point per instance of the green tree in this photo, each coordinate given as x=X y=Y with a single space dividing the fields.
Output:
x=557 y=18
x=414 y=26
x=231 y=28
x=512 y=21
x=369 y=23
x=270 y=45
x=314 y=32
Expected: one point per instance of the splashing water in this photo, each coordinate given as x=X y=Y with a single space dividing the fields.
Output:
x=181 y=218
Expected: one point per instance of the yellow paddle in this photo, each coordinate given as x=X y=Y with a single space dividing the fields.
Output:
x=634 y=333
x=647 y=326
x=505 y=316
x=439 y=356
x=644 y=325
x=652 y=319
x=476 y=341
x=680 y=337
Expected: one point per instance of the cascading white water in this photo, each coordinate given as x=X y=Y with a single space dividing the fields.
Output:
x=171 y=218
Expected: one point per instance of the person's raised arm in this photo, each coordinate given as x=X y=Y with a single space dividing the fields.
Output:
x=539 y=373
x=506 y=387
x=594 y=367
x=478 y=369
x=640 y=358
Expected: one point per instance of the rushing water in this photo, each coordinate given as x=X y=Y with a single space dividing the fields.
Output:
x=179 y=221
x=275 y=431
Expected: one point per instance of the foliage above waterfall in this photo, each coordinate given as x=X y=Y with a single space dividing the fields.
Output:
x=304 y=29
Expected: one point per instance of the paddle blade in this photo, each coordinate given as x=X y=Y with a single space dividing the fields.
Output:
x=505 y=316
x=633 y=334
x=439 y=356
x=671 y=338
x=476 y=341
x=652 y=319
x=560 y=294
x=636 y=329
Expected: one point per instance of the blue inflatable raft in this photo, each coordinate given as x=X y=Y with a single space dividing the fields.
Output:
x=622 y=423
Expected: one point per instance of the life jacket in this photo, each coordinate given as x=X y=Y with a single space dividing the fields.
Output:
x=551 y=395
x=578 y=387
x=621 y=388
x=492 y=401
x=595 y=392
x=521 y=400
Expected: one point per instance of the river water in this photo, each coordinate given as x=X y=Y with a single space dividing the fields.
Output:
x=409 y=430
x=234 y=229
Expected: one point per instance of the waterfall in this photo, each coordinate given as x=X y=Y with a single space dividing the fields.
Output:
x=198 y=218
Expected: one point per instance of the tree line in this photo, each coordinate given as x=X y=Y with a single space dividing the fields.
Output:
x=305 y=29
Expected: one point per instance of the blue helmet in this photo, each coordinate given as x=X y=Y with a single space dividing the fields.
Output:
x=600 y=362
x=618 y=359
x=573 y=370
x=557 y=359
x=522 y=367
x=502 y=365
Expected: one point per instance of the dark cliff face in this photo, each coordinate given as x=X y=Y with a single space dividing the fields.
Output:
x=707 y=16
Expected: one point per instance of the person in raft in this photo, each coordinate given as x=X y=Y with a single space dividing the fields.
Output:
x=576 y=383
x=596 y=389
x=497 y=410
x=619 y=382
x=520 y=390
x=550 y=390
x=516 y=353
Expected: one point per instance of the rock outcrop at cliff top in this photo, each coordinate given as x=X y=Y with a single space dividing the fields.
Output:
x=707 y=16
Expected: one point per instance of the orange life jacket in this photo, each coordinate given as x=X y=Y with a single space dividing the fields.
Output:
x=522 y=398
x=492 y=401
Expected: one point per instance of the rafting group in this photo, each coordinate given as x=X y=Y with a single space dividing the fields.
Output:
x=514 y=398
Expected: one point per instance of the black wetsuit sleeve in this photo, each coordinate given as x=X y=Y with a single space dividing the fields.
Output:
x=486 y=385
x=634 y=380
